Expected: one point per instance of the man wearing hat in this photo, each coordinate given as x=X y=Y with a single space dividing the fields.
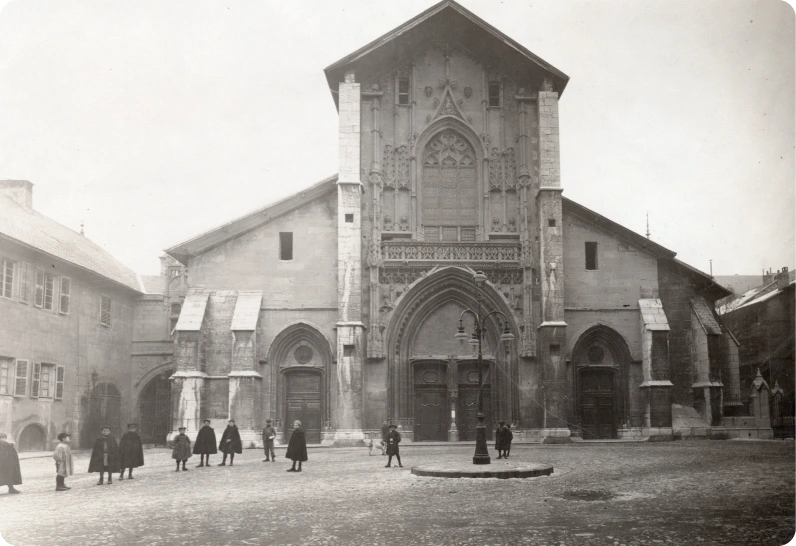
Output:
x=205 y=444
x=499 y=441
x=393 y=439
x=9 y=465
x=230 y=443
x=269 y=433
x=63 y=462
x=105 y=456
x=131 y=452
x=181 y=451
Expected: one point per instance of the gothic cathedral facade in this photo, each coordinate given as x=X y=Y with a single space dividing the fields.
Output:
x=338 y=305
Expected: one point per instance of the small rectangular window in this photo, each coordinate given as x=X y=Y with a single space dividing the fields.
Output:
x=349 y=218
x=6 y=278
x=591 y=256
x=6 y=366
x=24 y=282
x=49 y=291
x=555 y=351
x=59 y=382
x=494 y=94
x=45 y=383
x=551 y=222
x=21 y=383
x=38 y=297
x=285 y=245
x=403 y=91
x=66 y=289
x=348 y=350
x=105 y=311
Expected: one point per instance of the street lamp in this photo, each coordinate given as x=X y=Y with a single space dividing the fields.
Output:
x=481 y=453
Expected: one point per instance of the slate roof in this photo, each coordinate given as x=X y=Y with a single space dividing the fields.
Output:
x=705 y=315
x=445 y=21
x=44 y=234
x=653 y=315
x=752 y=297
x=247 y=311
x=153 y=284
x=193 y=313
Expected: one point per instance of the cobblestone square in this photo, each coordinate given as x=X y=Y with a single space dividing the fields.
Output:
x=690 y=492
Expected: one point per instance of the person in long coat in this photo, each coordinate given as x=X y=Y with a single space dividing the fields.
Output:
x=393 y=439
x=10 y=474
x=105 y=456
x=131 y=452
x=269 y=434
x=297 y=447
x=181 y=450
x=205 y=444
x=230 y=443
x=63 y=462
x=500 y=438
x=507 y=438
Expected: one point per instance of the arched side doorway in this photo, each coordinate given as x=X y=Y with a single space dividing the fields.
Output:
x=154 y=409
x=101 y=407
x=601 y=358
x=299 y=359
x=33 y=438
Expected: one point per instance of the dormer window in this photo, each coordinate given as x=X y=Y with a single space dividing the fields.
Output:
x=403 y=90
x=494 y=94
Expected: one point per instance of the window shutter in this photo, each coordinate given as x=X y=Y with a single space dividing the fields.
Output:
x=34 y=385
x=38 y=300
x=59 y=382
x=24 y=282
x=6 y=289
x=21 y=378
x=66 y=289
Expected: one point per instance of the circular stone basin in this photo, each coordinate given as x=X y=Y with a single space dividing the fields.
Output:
x=500 y=470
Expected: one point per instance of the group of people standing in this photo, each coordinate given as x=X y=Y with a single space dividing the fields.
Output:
x=205 y=445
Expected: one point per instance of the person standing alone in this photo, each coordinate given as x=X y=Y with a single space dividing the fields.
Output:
x=205 y=444
x=230 y=443
x=9 y=465
x=269 y=434
x=63 y=462
x=131 y=452
x=297 y=447
x=393 y=439
x=105 y=456
x=181 y=451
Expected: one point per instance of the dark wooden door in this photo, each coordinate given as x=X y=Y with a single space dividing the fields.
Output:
x=430 y=415
x=597 y=404
x=155 y=410
x=304 y=404
x=467 y=412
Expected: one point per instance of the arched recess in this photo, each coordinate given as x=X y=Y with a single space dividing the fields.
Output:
x=33 y=438
x=434 y=131
x=101 y=406
x=601 y=360
x=300 y=359
x=154 y=404
x=449 y=286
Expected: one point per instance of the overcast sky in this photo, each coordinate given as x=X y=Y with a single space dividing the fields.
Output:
x=155 y=121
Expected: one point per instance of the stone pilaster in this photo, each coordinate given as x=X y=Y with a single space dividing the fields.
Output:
x=245 y=387
x=187 y=383
x=347 y=383
x=552 y=330
x=656 y=374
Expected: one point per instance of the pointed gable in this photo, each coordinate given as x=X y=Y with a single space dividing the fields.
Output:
x=449 y=22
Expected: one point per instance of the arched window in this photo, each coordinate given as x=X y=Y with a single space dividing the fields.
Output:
x=450 y=188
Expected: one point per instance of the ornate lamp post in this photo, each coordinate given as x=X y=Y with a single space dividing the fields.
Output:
x=481 y=453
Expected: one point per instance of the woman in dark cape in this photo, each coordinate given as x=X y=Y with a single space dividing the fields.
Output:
x=205 y=444
x=500 y=439
x=297 y=447
x=230 y=443
x=131 y=452
x=10 y=474
x=105 y=456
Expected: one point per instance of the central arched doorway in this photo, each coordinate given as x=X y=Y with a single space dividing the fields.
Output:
x=154 y=409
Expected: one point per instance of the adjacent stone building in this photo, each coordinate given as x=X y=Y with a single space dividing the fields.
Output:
x=337 y=306
x=66 y=320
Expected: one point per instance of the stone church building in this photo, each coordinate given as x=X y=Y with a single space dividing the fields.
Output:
x=338 y=305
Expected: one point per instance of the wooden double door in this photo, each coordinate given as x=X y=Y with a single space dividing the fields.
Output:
x=304 y=402
x=597 y=404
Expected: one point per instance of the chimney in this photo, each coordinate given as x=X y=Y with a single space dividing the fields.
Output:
x=768 y=278
x=20 y=191
x=783 y=279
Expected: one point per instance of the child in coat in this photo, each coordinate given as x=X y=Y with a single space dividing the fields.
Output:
x=181 y=450
x=131 y=452
x=63 y=462
x=297 y=447
x=105 y=456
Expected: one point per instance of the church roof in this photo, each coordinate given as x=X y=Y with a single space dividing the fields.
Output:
x=237 y=227
x=44 y=234
x=446 y=20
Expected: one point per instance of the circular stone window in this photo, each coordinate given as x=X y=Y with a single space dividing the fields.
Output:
x=303 y=354
x=596 y=354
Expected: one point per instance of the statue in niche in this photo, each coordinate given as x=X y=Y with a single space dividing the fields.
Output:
x=387 y=223
x=468 y=92
x=495 y=224
x=428 y=90
x=512 y=224
x=404 y=223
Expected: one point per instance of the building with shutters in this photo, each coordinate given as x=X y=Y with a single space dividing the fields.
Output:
x=337 y=306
